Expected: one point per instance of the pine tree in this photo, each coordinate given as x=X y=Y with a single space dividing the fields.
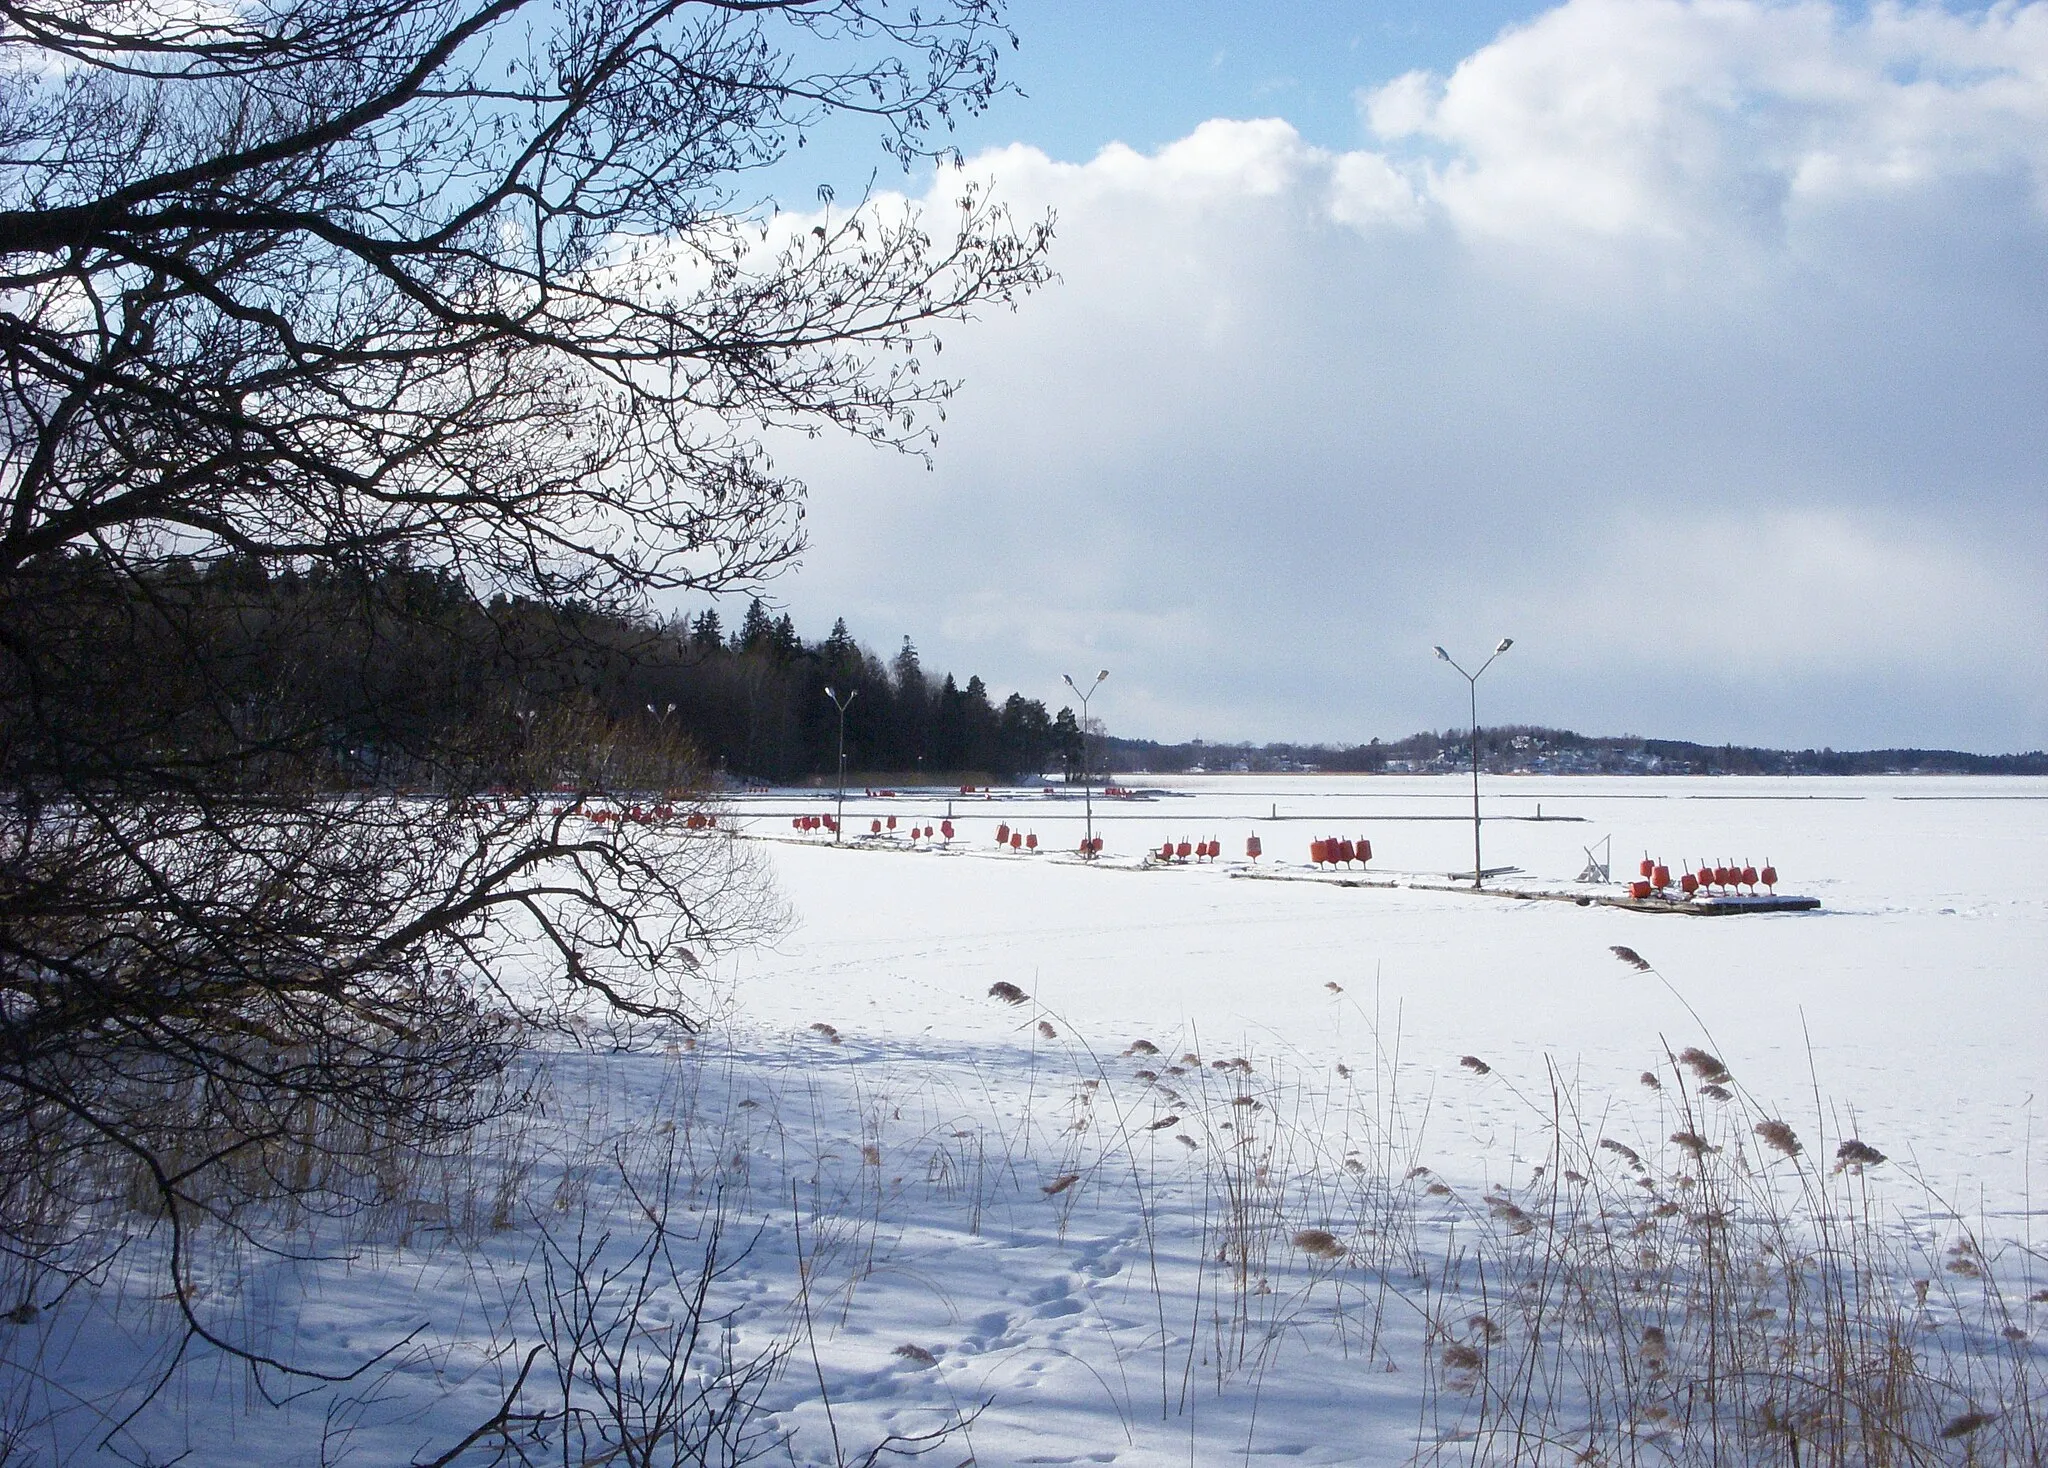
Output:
x=947 y=744
x=909 y=672
x=982 y=742
x=1066 y=741
x=839 y=650
x=757 y=632
x=783 y=640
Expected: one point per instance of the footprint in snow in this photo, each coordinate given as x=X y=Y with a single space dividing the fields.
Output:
x=1053 y=1289
x=990 y=1331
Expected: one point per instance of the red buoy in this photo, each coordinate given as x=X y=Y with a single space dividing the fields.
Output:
x=1647 y=867
x=947 y=828
x=1182 y=851
x=1769 y=875
x=1002 y=833
x=1661 y=877
x=874 y=828
x=1749 y=876
x=1639 y=890
x=1252 y=848
x=1688 y=884
x=1318 y=852
x=1032 y=841
x=1364 y=851
x=1166 y=851
x=1017 y=841
x=1096 y=845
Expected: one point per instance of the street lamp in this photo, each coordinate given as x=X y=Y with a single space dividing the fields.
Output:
x=661 y=717
x=1472 y=683
x=1087 y=790
x=839 y=821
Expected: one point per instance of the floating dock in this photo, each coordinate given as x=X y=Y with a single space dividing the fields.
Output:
x=1581 y=895
x=1733 y=903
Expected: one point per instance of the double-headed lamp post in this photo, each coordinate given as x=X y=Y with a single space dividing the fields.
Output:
x=1472 y=683
x=840 y=703
x=1087 y=789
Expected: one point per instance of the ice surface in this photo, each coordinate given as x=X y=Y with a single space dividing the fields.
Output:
x=1918 y=997
x=894 y=1182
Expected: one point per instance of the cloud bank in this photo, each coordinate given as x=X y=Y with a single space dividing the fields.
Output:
x=1701 y=347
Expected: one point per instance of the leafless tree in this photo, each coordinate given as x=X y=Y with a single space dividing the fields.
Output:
x=355 y=292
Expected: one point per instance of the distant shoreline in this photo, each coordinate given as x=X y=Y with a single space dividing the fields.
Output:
x=1527 y=750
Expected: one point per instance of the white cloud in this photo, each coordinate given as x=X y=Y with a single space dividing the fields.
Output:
x=1702 y=347
x=1709 y=121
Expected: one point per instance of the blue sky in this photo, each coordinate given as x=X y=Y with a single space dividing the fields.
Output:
x=1699 y=345
x=1143 y=72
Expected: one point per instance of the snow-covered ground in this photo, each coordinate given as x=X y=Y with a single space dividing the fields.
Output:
x=959 y=1207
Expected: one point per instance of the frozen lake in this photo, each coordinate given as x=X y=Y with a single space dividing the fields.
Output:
x=1915 y=1003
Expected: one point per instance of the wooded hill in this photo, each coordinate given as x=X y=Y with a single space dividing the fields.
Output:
x=398 y=677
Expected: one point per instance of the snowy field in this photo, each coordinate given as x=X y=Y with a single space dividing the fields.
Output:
x=1237 y=1172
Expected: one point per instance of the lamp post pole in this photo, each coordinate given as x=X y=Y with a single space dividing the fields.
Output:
x=839 y=820
x=1472 y=687
x=661 y=717
x=1087 y=789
